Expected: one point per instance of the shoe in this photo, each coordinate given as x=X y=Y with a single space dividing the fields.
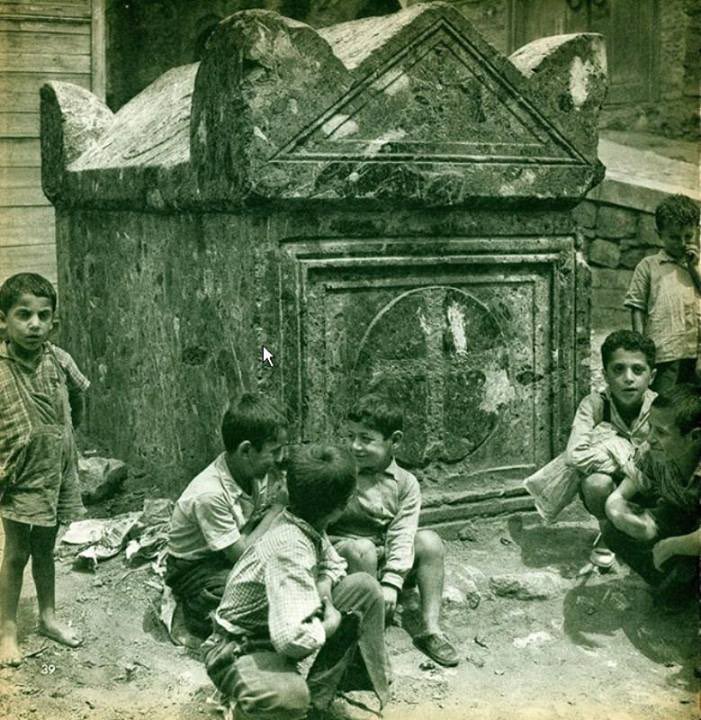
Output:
x=601 y=557
x=438 y=648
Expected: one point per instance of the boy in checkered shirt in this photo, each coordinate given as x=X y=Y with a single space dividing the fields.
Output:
x=41 y=398
x=290 y=621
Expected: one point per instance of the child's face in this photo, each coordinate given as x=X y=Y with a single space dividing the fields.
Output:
x=628 y=376
x=667 y=440
x=260 y=462
x=370 y=449
x=28 y=323
x=676 y=238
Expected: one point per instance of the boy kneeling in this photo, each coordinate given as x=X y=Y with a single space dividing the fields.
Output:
x=378 y=532
x=662 y=543
x=288 y=599
x=224 y=510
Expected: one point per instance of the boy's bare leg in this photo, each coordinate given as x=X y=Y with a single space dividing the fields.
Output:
x=361 y=556
x=15 y=556
x=43 y=540
x=429 y=562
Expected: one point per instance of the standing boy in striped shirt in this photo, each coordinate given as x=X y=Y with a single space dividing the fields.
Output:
x=41 y=398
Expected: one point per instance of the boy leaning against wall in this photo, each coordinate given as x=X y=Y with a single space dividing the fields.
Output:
x=378 y=532
x=664 y=294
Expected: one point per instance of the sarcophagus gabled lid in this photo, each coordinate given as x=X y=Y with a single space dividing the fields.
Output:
x=412 y=108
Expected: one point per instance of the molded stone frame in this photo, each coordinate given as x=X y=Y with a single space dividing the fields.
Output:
x=383 y=204
x=524 y=396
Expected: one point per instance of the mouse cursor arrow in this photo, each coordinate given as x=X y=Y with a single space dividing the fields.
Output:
x=267 y=356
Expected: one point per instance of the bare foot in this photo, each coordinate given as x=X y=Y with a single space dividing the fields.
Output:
x=60 y=633
x=10 y=655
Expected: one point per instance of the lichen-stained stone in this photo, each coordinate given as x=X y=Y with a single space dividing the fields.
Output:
x=604 y=252
x=569 y=74
x=414 y=106
x=384 y=204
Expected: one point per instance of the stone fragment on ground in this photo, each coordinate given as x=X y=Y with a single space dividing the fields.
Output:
x=469 y=532
x=100 y=478
x=526 y=586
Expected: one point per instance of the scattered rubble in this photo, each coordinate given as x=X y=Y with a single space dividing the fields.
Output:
x=100 y=478
x=526 y=586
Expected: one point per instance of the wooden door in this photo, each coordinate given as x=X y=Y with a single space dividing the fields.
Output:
x=629 y=27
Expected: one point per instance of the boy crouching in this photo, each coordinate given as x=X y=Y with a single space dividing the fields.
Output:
x=653 y=514
x=288 y=600
x=224 y=510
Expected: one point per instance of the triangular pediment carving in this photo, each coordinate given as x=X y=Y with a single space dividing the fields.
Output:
x=439 y=99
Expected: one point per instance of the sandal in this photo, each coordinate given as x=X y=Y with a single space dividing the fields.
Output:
x=601 y=557
x=438 y=648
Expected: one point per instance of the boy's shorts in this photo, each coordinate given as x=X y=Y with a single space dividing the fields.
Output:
x=47 y=491
x=339 y=542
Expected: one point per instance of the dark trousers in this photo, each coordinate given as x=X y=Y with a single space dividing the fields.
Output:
x=198 y=585
x=678 y=571
x=265 y=684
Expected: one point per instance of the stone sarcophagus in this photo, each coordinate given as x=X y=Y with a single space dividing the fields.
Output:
x=383 y=204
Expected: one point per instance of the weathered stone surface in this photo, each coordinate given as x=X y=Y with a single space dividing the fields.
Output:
x=528 y=586
x=585 y=214
x=100 y=478
x=647 y=230
x=615 y=222
x=72 y=120
x=279 y=111
x=630 y=258
x=610 y=279
x=382 y=204
x=570 y=72
x=604 y=252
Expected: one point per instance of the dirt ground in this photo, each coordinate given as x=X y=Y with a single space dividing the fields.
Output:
x=598 y=649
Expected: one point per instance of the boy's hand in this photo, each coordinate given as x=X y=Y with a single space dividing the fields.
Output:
x=324 y=587
x=663 y=550
x=691 y=254
x=331 y=618
x=390 y=595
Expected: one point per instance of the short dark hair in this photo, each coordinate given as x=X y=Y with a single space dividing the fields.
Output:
x=25 y=284
x=320 y=479
x=628 y=340
x=252 y=418
x=378 y=414
x=676 y=210
x=685 y=401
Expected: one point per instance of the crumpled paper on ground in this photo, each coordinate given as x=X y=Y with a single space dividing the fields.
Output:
x=104 y=538
x=145 y=534
x=151 y=537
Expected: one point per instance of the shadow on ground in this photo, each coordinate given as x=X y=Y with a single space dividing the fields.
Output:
x=665 y=634
x=564 y=547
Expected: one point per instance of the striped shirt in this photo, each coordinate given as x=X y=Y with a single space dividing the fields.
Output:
x=19 y=381
x=271 y=592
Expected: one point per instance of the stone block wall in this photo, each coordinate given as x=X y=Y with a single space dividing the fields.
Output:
x=616 y=238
